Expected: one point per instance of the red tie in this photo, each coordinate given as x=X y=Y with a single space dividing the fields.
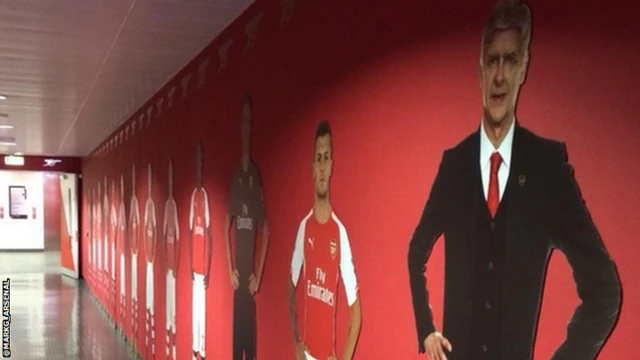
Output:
x=493 y=197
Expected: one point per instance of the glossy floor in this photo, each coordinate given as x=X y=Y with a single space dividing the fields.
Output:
x=54 y=317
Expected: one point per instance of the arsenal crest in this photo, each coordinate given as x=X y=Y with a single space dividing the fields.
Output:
x=185 y=85
x=170 y=95
x=223 y=52
x=333 y=248
x=149 y=112
x=202 y=72
x=159 y=104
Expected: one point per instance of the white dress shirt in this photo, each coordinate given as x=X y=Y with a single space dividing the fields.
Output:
x=486 y=150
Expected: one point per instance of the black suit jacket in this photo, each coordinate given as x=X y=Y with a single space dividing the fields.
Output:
x=545 y=211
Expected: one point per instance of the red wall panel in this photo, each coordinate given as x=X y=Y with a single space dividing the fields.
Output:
x=399 y=84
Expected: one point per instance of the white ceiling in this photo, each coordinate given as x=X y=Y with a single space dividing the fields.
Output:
x=74 y=69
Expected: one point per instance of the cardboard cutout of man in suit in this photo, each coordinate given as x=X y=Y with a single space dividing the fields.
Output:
x=504 y=198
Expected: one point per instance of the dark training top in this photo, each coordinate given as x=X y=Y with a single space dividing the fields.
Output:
x=246 y=210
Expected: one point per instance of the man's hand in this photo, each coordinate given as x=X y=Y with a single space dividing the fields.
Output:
x=434 y=343
x=235 y=279
x=254 y=284
x=300 y=349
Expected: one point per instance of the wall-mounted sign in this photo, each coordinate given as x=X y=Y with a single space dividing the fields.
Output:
x=18 y=202
x=12 y=160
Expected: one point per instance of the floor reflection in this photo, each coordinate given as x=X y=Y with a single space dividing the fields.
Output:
x=53 y=316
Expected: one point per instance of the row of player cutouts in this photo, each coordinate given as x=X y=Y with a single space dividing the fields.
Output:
x=113 y=234
x=321 y=255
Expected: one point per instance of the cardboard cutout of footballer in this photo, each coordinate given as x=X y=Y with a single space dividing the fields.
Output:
x=134 y=233
x=171 y=234
x=121 y=243
x=92 y=238
x=150 y=238
x=106 y=229
x=245 y=213
x=98 y=247
x=113 y=231
x=322 y=255
x=200 y=246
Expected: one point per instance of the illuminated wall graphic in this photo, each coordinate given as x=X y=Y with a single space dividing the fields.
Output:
x=407 y=96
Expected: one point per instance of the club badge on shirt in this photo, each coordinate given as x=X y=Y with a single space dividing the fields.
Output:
x=333 y=248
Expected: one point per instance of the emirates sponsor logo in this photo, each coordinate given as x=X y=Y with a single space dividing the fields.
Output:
x=318 y=290
x=198 y=230
x=245 y=223
x=171 y=236
x=320 y=293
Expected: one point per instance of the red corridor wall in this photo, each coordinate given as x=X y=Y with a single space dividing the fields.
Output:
x=399 y=84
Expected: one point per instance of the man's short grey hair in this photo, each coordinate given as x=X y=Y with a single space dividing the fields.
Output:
x=508 y=15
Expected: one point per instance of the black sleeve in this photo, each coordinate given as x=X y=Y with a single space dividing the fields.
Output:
x=426 y=233
x=594 y=272
x=234 y=208
x=258 y=207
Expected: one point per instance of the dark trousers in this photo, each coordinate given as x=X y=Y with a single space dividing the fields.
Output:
x=244 y=326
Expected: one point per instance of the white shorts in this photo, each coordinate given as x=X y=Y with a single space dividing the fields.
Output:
x=171 y=301
x=123 y=279
x=199 y=314
x=106 y=255
x=308 y=356
x=113 y=262
x=149 y=284
x=99 y=255
x=134 y=276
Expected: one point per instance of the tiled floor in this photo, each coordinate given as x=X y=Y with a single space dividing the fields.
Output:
x=54 y=317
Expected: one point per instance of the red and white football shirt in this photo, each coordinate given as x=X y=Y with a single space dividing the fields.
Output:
x=122 y=229
x=99 y=234
x=198 y=225
x=323 y=252
x=171 y=233
x=106 y=229
x=94 y=229
x=113 y=231
x=150 y=230
x=134 y=224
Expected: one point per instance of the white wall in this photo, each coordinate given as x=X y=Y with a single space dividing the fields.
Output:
x=20 y=234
